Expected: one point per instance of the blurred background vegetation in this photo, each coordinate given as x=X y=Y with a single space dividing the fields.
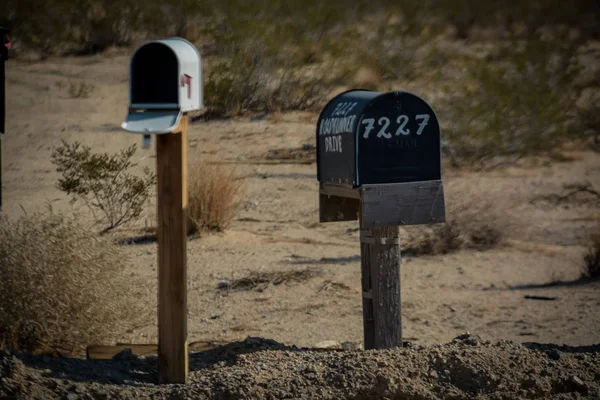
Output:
x=507 y=79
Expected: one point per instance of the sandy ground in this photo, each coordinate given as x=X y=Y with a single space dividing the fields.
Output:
x=278 y=230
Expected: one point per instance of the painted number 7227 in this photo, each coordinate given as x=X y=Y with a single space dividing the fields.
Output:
x=402 y=121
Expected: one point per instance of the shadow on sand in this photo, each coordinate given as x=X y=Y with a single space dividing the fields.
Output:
x=135 y=371
x=556 y=284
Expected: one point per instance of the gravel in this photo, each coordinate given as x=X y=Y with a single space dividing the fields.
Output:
x=256 y=368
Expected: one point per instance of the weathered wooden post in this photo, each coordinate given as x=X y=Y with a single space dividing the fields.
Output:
x=379 y=161
x=3 y=58
x=166 y=83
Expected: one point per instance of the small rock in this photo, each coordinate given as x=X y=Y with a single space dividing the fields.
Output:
x=467 y=338
x=349 y=346
x=72 y=396
x=253 y=341
x=578 y=384
x=328 y=344
x=382 y=364
x=223 y=284
x=310 y=368
x=555 y=354
x=433 y=373
x=124 y=355
x=528 y=383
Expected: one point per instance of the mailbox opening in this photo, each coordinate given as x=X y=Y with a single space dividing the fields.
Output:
x=152 y=61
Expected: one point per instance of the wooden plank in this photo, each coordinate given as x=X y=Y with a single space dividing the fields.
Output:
x=380 y=268
x=332 y=189
x=171 y=166
x=397 y=204
x=107 y=352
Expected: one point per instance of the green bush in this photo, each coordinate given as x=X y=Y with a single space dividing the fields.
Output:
x=103 y=182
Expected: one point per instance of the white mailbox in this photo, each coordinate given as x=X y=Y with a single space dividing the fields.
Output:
x=165 y=81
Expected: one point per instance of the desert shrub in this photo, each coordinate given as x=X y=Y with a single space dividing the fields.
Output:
x=213 y=197
x=56 y=27
x=472 y=222
x=388 y=52
x=76 y=90
x=453 y=235
x=526 y=18
x=591 y=258
x=80 y=90
x=61 y=288
x=103 y=182
x=514 y=103
x=262 y=279
x=249 y=80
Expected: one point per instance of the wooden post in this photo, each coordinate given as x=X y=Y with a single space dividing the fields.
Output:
x=171 y=166
x=1 y=172
x=2 y=109
x=380 y=268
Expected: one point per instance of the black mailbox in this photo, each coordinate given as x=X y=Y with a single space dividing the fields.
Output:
x=379 y=151
x=367 y=137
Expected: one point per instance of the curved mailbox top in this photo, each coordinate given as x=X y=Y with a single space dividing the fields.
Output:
x=165 y=81
x=368 y=137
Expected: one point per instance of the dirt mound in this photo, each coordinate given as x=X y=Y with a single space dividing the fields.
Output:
x=466 y=368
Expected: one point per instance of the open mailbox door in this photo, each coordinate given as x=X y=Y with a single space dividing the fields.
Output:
x=165 y=82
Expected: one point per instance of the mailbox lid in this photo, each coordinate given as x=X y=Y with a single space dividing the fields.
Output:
x=336 y=136
x=155 y=122
x=398 y=141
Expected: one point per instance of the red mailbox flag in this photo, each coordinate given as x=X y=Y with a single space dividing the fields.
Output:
x=187 y=80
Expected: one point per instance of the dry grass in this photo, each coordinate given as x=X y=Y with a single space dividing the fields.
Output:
x=262 y=279
x=591 y=259
x=471 y=223
x=76 y=90
x=214 y=197
x=61 y=288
